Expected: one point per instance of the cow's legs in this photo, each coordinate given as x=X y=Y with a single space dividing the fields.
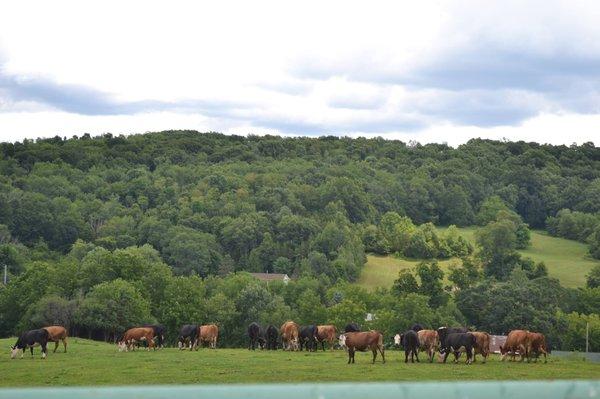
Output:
x=417 y=355
x=350 y=355
x=31 y=348
x=65 y=344
x=405 y=355
x=44 y=349
x=55 y=347
x=382 y=351
x=374 y=354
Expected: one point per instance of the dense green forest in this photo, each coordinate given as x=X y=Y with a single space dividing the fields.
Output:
x=101 y=233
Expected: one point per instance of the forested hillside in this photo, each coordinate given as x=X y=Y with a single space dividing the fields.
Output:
x=149 y=220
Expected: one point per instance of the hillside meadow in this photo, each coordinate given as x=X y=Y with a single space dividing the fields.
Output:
x=566 y=260
x=97 y=363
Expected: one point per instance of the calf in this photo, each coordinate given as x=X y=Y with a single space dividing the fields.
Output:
x=455 y=341
x=308 y=337
x=410 y=342
x=57 y=334
x=351 y=327
x=29 y=339
x=327 y=334
x=272 y=337
x=135 y=335
x=208 y=334
x=361 y=341
x=516 y=341
x=289 y=335
x=256 y=335
x=188 y=335
x=428 y=342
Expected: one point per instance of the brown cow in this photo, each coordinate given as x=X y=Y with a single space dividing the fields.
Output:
x=56 y=334
x=134 y=335
x=516 y=341
x=428 y=342
x=361 y=341
x=209 y=334
x=482 y=346
x=326 y=333
x=289 y=335
x=538 y=345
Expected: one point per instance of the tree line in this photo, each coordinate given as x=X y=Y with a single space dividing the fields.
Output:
x=163 y=226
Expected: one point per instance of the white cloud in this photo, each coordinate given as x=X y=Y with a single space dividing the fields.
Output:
x=429 y=71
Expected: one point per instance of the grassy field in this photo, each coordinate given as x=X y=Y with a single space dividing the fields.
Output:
x=95 y=363
x=566 y=260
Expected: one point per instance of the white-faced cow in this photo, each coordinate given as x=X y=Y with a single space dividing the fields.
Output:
x=361 y=341
x=29 y=339
x=188 y=336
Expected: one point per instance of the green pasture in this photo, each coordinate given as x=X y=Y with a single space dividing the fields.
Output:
x=97 y=363
x=566 y=260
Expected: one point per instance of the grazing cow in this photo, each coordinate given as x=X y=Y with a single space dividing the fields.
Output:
x=410 y=342
x=454 y=342
x=159 y=334
x=56 y=335
x=482 y=347
x=29 y=339
x=208 y=334
x=272 y=337
x=428 y=342
x=256 y=335
x=416 y=327
x=361 y=341
x=308 y=337
x=326 y=333
x=351 y=327
x=538 y=345
x=135 y=335
x=444 y=331
x=188 y=335
x=516 y=341
x=289 y=335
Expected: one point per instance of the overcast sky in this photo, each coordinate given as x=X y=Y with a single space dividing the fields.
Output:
x=433 y=72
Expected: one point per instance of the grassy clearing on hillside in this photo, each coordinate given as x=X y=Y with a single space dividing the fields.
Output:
x=95 y=363
x=566 y=260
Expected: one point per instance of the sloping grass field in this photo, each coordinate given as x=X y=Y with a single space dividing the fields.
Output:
x=97 y=363
x=566 y=260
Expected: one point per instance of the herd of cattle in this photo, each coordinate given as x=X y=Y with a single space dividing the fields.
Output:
x=445 y=340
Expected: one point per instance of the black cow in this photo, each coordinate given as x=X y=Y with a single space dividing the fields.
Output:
x=256 y=335
x=417 y=327
x=272 y=337
x=410 y=342
x=308 y=336
x=159 y=334
x=188 y=334
x=454 y=341
x=352 y=327
x=444 y=331
x=29 y=339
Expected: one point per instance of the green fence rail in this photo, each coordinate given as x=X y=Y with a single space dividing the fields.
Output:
x=429 y=390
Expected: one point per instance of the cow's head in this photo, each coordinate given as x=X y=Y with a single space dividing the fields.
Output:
x=342 y=340
x=503 y=350
x=397 y=339
x=14 y=351
x=295 y=344
x=122 y=346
